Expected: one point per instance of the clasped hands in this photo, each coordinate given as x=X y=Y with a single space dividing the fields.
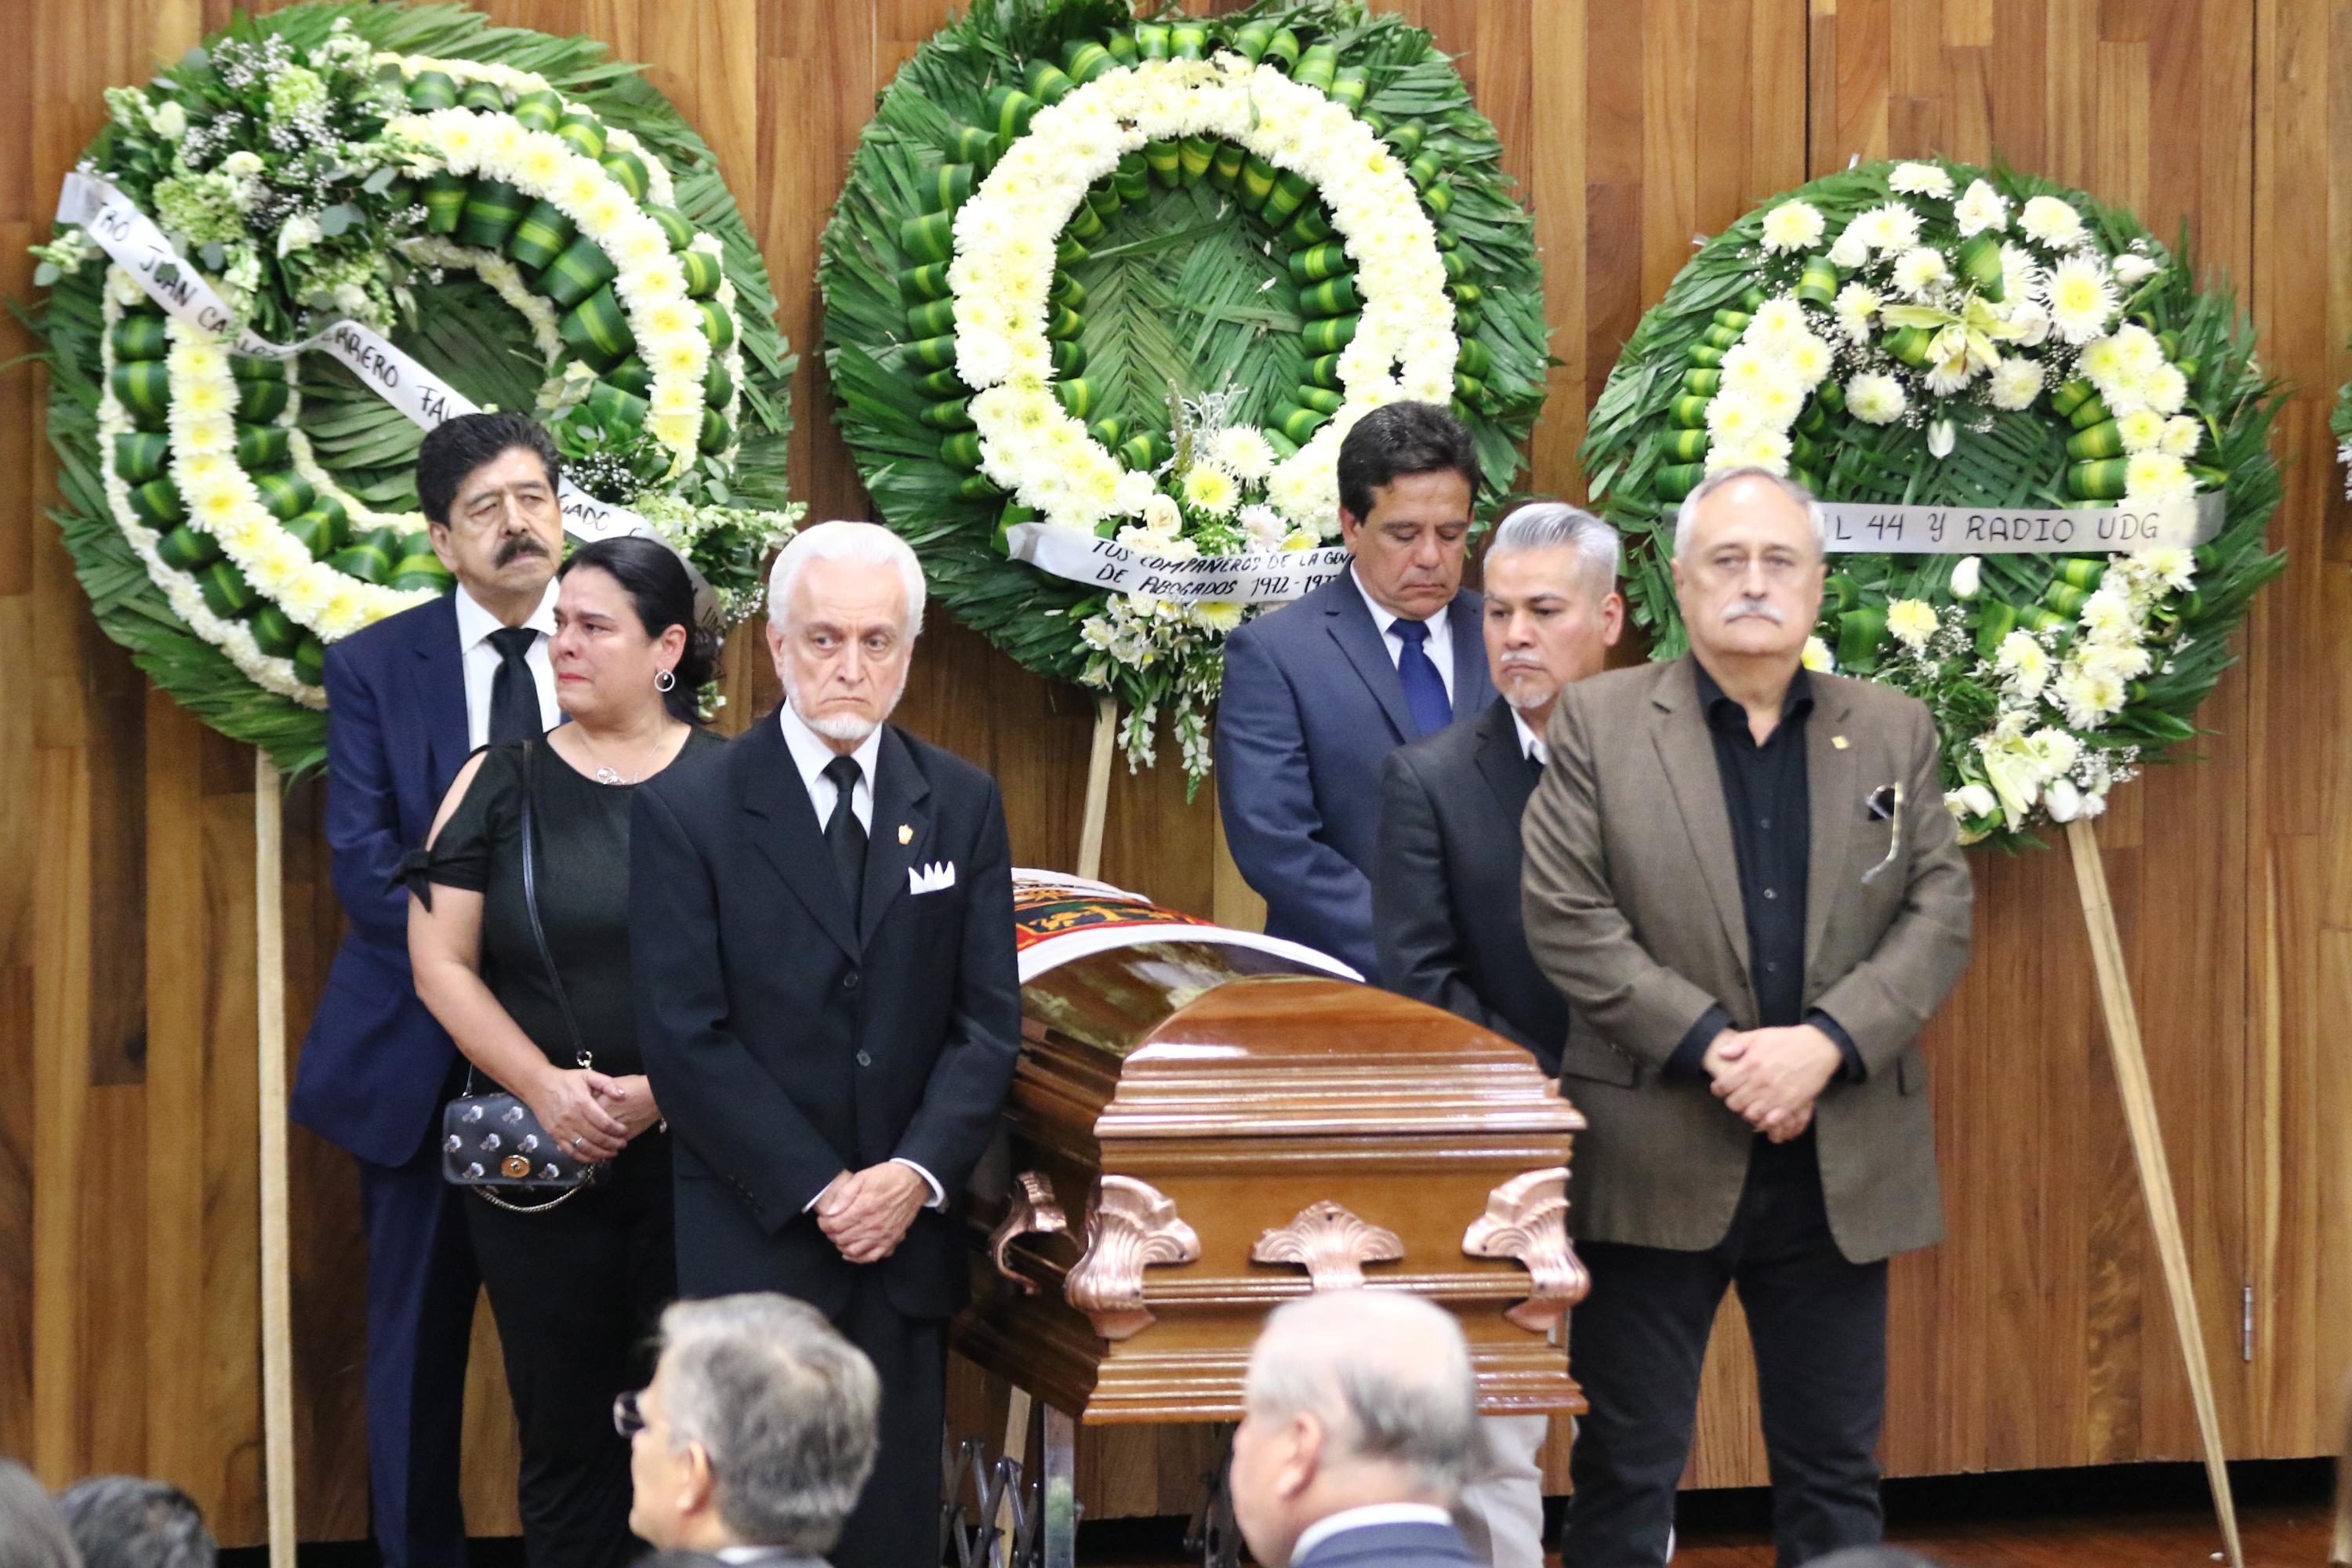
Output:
x=1772 y=1077
x=865 y=1213
x=593 y=1114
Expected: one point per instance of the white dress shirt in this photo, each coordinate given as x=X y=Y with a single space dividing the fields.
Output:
x=1329 y=1525
x=1531 y=745
x=1440 y=646
x=813 y=754
x=480 y=656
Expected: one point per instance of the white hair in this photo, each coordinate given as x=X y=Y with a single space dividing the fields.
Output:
x=1549 y=525
x=858 y=543
x=1686 y=516
x=1389 y=1376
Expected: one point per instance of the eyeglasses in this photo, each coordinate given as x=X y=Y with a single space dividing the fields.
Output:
x=628 y=1416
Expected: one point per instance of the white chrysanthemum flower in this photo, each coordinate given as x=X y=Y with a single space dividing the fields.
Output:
x=2142 y=430
x=2108 y=614
x=2023 y=664
x=2082 y=297
x=1920 y=180
x=1876 y=399
x=1747 y=367
x=2015 y=384
x=2157 y=476
x=1776 y=318
x=2053 y=750
x=1732 y=417
x=1764 y=448
x=1918 y=270
x=2183 y=434
x=1241 y=452
x=2169 y=564
x=1980 y=208
x=1219 y=616
x=1911 y=622
x=1816 y=656
x=1263 y=525
x=1792 y=226
x=1779 y=402
x=2050 y=221
x=1858 y=301
x=2116 y=660
x=1210 y=489
x=1851 y=250
x=1809 y=359
x=1889 y=228
x=2021 y=274
x=2089 y=699
x=2166 y=389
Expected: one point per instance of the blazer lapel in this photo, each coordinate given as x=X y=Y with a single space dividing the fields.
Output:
x=1474 y=688
x=1359 y=636
x=1686 y=751
x=1500 y=760
x=790 y=838
x=902 y=830
x=1836 y=795
x=440 y=676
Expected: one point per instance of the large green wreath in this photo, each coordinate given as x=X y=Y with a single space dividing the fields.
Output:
x=533 y=223
x=1935 y=334
x=1044 y=305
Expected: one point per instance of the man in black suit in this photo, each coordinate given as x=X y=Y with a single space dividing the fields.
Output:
x=821 y=925
x=1446 y=885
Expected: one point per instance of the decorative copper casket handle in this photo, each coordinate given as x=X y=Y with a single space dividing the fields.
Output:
x=1030 y=1211
x=1332 y=1243
x=1526 y=1219
x=1130 y=1225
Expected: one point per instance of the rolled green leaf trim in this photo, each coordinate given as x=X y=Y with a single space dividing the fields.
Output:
x=1196 y=154
x=717 y=325
x=319 y=532
x=1333 y=297
x=541 y=235
x=1083 y=59
x=718 y=431
x=259 y=402
x=2069 y=396
x=1684 y=446
x=971 y=145
x=1291 y=189
x=1069 y=357
x=1226 y=169
x=1405 y=138
x=541 y=108
x=1076 y=396
x=2104 y=439
x=673 y=223
x=274 y=631
x=1086 y=224
x=2064 y=597
x=1069 y=251
x=580 y=271
x=616 y=406
x=976 y=487
x=1909 y=344
x=946 y=188
x=1424 y=171
x=1315 y=263
x=493 y=208
x=1736 y=320
x=1258 y=184
x=628 y=171
x=432 y=89
x=143 y=387
x=930 y=318
x=141 y=337
x=1980 y=259
x=283 y=494
x=1323 y=371
x=717 y=382
x=961 y=450
x=1188 y=40
x=482 y=96
x=310 y=662
x=1472 y=357
x=2083 y=571
x=1702 y=383
x=1321 y=399
x=933 y=353
x=1469 y=389
x=367 y=562
x=1165 y=161
x=1046 y=83
x=264 y=446
x=1817 y=284
x=597 y=329
x=632 y=375
x=1721 y=337
x=226 y=591
x=140 y=454
x=1065 y=322
x=584 y=131
x=445 y=201
x=955 y=414
x=1318 y=67
x=703 y=273
x=1297 y=424
x=1349 y=87
x=1687 y=412
x=2091 y=410
x=1675 y=481
x=1705 y=356
x=1330 y=334
x=1132 y=178
x=939 y=384
x=2101 y=480
x=1010 y=109
x=1312 y=226
x=185 y=549
x=930 y=237
x=1151 y=40
x=158 y=504
x=928 y=282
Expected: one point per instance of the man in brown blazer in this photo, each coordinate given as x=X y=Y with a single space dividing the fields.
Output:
x=1742 y=877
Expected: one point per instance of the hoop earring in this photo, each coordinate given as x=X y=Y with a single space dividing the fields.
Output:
x=664 y=680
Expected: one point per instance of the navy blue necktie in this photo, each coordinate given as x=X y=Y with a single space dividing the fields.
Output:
x=1424 y=688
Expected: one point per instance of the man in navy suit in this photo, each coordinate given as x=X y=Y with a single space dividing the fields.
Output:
x=1318 y=694
x=1360 y=1427
x=408 y=699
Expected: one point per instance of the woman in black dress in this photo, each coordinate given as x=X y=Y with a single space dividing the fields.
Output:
x=576 y=1289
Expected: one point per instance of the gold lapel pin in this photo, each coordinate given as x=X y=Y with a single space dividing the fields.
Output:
x=907 y=834
x=1839 y=742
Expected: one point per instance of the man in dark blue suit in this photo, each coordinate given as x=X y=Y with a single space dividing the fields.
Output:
x=1318 y=694
x=1360 y=1427
x=408 y=699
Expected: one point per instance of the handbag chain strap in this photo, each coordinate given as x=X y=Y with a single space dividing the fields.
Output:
x=554 y=977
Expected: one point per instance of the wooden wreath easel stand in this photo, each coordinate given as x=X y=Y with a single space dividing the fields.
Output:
x=2155 y=1170
x=277 y=1262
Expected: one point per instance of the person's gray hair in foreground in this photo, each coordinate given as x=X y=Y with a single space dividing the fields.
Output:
x=128 y=1521
x=32 y=1531
x=1354 y=1398
x=758 y=1428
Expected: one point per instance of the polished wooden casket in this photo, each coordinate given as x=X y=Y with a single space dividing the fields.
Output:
x=1207 y=1123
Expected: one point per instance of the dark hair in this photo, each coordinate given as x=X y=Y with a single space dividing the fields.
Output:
x=658 y=589
x=455 y=447
x=1399 y=438
x=124 y=1522
x=32 y=1530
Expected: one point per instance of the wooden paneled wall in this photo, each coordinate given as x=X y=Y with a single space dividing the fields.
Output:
x=2035 y=1337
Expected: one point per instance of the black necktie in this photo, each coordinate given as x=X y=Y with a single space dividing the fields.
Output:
x=514 y=693
x=845 y=835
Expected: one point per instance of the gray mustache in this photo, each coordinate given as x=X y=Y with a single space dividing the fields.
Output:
x=1762 y=609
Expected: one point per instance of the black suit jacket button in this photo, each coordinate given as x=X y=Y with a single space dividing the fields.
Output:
x=849 y=980
x=863 y=1061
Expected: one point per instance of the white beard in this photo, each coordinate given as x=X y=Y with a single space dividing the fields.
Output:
x=849 y=729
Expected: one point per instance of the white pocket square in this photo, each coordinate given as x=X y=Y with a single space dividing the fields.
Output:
x=930 y=879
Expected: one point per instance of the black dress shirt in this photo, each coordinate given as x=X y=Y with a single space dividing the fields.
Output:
x=1766 y=795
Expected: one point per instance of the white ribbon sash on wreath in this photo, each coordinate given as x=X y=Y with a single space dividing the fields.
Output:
x=1860 y=528
x=130 y=237
x=1265 y=578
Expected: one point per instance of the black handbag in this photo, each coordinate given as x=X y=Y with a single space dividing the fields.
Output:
x=492 y=1142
